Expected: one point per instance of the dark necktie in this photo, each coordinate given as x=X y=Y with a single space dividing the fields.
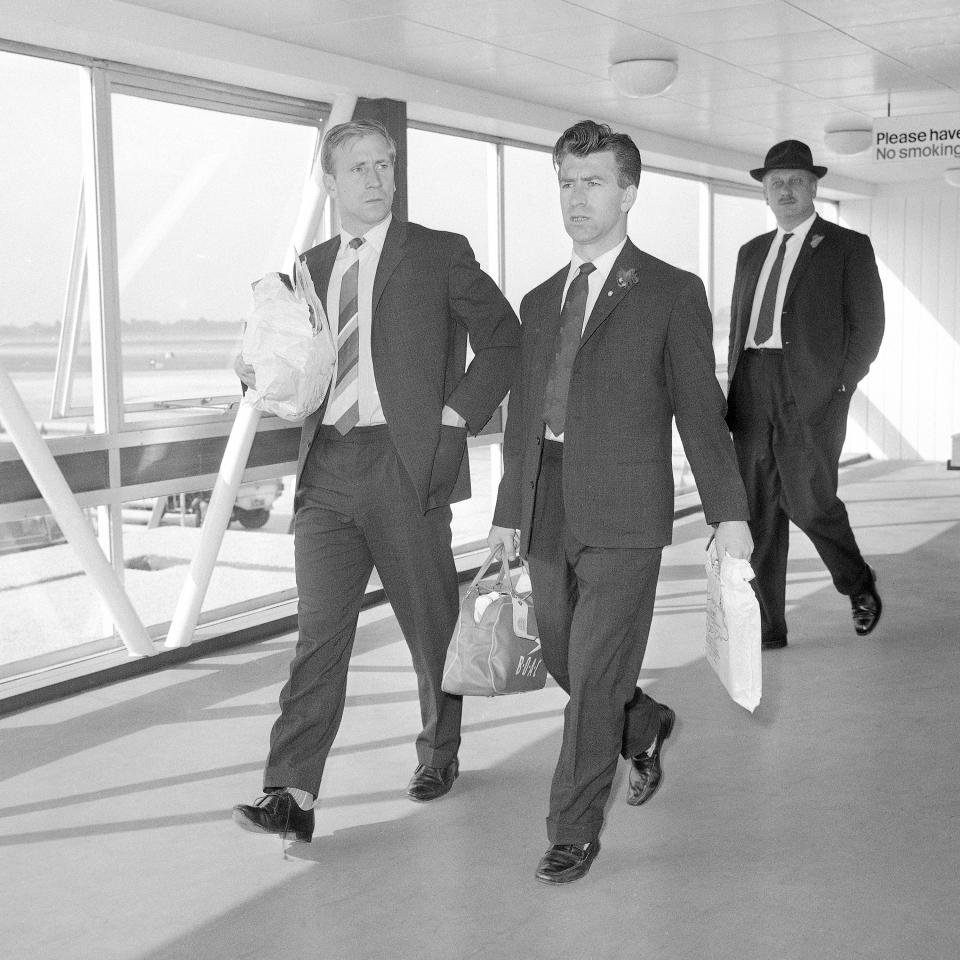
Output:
x=764 y=329
x=568 y=340
x=345 y=400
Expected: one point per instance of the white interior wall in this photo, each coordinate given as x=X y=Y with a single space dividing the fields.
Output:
x=908 y=406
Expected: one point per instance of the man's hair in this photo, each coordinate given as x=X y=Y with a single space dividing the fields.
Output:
x=588 y=137
x=343 y=134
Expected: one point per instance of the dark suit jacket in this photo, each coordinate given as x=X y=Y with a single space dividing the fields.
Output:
x=646 y=356
x=832 y=321
x=429 y=293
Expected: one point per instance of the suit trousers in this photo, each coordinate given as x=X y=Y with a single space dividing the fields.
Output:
x=789 y=468
x=357 y=509
x=594 y=609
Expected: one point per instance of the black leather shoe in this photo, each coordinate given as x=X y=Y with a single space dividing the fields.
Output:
x=645 y=770
x=275 y=813
x=428 y=783
x=866 y=607
x=774 y=643
x=565 y=862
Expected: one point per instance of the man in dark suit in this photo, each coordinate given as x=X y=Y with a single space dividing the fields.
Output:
x=380 y=463
x=615 y=345
x=805 y=325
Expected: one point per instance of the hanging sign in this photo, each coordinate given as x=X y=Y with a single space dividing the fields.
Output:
x=931 y=137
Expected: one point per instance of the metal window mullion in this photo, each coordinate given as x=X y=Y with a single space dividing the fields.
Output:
x=102 y=280
x=104 y=301
x=501 y=218
x=705 y=220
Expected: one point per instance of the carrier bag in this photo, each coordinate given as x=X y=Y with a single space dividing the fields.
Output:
x=733 y=627
x=289 y=343
x=494 y=649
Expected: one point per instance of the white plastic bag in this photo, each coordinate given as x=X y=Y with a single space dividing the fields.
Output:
x=289 y=343
x=733 y=627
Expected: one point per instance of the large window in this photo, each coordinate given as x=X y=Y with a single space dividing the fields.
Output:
x=139 y=210
x=206 y=204
x=44 y=331
x=667 y=221
x=737 y=217
x=452 y=185
x=535 y=242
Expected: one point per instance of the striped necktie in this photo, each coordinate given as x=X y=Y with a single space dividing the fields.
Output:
x=344 y=407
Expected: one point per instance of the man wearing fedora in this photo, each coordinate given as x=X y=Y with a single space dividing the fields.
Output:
x=805 y=324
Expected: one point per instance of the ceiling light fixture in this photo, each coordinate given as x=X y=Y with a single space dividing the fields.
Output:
x=643 y=78
x=848 y=142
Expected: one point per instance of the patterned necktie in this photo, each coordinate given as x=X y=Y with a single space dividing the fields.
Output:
x=344 y=407
x=764 y=329
x=568 y=341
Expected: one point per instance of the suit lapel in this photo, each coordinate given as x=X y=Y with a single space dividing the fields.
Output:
x=326 y=256
x=548 y=307
x=807 y=251
x=746 y=289
x=390 y=258
x=752 y=272
x=626 y=272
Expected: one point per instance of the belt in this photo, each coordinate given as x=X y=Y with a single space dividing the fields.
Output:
x=372 y=434
x=553 y=448
x=771 y=350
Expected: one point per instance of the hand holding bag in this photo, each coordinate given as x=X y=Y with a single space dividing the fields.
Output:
x=494 y=649
x=733 y=627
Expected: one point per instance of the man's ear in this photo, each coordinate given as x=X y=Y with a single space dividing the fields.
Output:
x=330 y=182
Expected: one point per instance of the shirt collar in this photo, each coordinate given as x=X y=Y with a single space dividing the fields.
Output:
x=604 y=263
x=375 y=236
x=800 y=232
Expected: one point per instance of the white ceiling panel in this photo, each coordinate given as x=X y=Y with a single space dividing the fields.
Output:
x=830 y=68
x=941 y=63
x=700 y=27
x=751 y=72
x=910 y=34
x=850 y=13
x=624 y=9
x=786 y=48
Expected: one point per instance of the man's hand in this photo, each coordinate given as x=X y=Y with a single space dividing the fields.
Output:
x=733 y=538
x=244 y=371
x=505 y=537
x=450 y=418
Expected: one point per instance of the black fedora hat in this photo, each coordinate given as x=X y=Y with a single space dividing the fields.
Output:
x=788 y=155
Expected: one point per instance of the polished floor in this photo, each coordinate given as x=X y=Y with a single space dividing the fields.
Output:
x=825 y=825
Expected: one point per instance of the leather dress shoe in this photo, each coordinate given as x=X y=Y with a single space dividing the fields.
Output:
x=773 y=643
x=565 y=862
x=866 y=607
x=428 y=783
x=645 y=770
x=275 y=813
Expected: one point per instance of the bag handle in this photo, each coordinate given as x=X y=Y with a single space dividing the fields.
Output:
x=495 y=556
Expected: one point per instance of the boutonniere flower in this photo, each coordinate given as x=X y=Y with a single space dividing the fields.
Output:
x=815 y=241
x=627 y=278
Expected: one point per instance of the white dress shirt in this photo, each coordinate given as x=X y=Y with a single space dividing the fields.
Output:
x=794 y=246
x=368 y=256
x=595 y=283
